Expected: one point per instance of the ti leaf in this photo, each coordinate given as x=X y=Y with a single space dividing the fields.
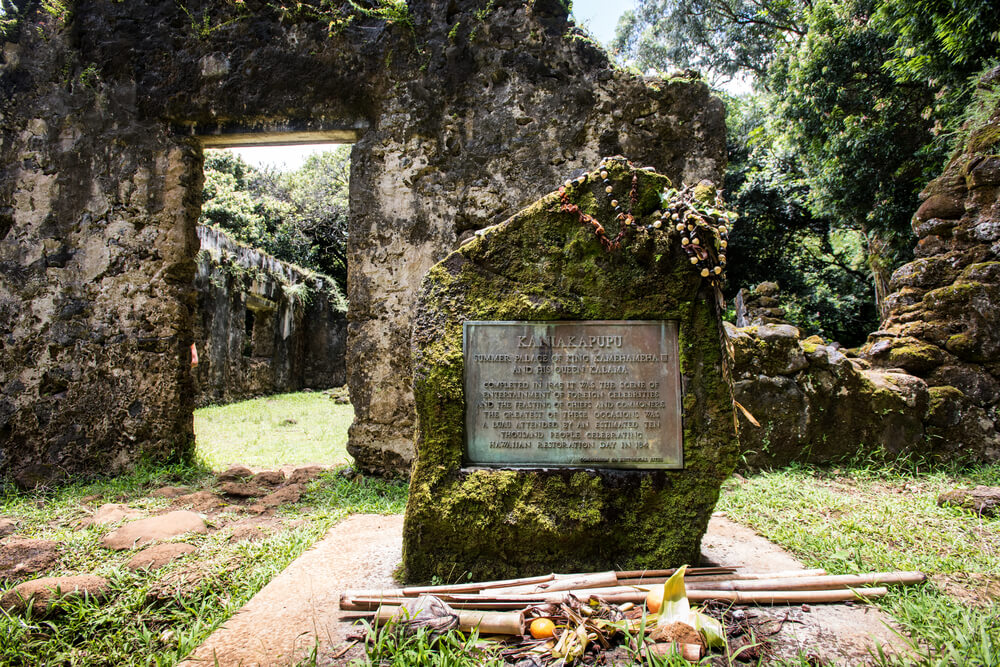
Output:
x=676 y=608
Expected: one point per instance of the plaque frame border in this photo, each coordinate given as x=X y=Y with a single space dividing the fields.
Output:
x=468 y=466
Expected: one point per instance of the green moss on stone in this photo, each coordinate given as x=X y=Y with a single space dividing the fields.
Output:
x=543 y=264
x=956 y=295
x=915 y=356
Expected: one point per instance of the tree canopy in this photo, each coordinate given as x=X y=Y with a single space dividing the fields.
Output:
x=298 y=217
x=854 y=106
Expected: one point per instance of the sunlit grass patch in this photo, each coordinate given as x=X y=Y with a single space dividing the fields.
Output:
x=862 y=519
x=300 y=428
x=158 y=617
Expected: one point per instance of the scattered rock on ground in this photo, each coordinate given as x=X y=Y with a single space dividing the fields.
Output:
x=234 y=474
x=200 y=501
x=306 y=474
x=983 y=500
x=289 y=494
x=270 y=478
x=154 y=528
x=339 y=395
x=155 y=557
x=43 y=592
x=7 y=526
x=169 y=492
x=181 y=582
x=20 y=557
x=110 y=513
x=241 y=489
x=246 y=534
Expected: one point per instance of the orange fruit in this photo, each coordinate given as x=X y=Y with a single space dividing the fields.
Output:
x=654 y=600
x=542 y=628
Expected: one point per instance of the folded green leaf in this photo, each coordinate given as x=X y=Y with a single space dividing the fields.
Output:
x=675 y=605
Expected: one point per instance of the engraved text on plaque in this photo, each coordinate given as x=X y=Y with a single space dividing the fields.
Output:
x=601 y=394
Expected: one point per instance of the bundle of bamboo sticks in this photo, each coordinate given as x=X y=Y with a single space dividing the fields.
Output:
x=703 y=584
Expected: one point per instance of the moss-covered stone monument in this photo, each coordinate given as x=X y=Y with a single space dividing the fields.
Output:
x=614 y=244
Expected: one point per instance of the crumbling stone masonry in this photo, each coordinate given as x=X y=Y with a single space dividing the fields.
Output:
x=944 y=325
x=462 y=111
x=263 y=326
x=928 y=381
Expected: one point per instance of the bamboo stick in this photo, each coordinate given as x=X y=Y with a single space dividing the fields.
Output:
x=780 y=574
x=488 y=623
x=472 y=587
x=691 y=572
x=761 y=597
x=373 y=604
x=576 y=582
x=812 y=583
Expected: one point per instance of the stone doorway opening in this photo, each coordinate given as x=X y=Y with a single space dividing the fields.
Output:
x=270 y=331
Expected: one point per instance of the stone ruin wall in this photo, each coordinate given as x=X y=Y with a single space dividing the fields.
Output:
x=944 y=324
x=263 y=326
x=457 y=124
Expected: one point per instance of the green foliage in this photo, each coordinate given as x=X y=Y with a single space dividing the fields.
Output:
x=389 y=646
x=390 y=11
x=939 y=39
x=972 y=124
x=861 y=136
x=319 y=191
x=298 y=217
x=876 y=518
x=819 y=266
x=10 y=20
x=725 y=37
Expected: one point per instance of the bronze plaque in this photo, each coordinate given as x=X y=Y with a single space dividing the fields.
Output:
x=595 y=394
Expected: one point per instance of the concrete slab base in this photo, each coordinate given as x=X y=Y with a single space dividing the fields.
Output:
x=296 y=614
x=842 y=634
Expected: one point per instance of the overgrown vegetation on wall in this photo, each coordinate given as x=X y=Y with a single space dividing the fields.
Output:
x=855 y=106
x=298 y=217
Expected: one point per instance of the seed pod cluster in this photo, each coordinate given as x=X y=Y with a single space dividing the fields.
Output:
x=703 y=226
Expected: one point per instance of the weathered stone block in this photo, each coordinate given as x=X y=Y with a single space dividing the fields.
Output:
x=543 y=264
x=939 y=206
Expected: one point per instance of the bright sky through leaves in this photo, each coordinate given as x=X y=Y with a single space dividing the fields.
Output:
x=600 y=17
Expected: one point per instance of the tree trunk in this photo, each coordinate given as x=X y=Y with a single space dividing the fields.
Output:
x=878 y=262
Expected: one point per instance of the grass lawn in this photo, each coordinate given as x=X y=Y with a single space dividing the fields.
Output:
x=850 y=519
x=301 y=428
x=158 y=617
x=875 y=519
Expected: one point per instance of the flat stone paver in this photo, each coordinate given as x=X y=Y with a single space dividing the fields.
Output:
x=298 y=608
x=298 y=611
